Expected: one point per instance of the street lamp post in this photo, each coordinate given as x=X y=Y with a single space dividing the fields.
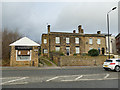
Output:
x=108 y=29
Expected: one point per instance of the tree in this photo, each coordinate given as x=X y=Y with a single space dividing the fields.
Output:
x=8 y=37
x=93 y=52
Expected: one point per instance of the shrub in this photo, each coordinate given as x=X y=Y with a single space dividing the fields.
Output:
x=62 y=54
x=93 y=52
x=74 y=54
x=84 y=54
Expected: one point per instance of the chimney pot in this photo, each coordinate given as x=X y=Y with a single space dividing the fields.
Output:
x=74 y=31
x=48 y=28
x=98 y=32
x=79 y=28
x=82 y=31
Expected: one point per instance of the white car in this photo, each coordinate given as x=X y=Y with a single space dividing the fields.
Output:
x=112 y=64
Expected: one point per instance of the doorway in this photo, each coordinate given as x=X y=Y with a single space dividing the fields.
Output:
x=68 y=51
x=103 y=51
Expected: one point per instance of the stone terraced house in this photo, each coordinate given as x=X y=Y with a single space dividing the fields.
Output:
x=72 y=43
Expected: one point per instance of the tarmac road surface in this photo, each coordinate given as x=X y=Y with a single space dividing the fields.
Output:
x=65 y=77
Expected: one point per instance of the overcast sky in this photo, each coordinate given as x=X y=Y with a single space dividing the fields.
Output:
x=31 y=18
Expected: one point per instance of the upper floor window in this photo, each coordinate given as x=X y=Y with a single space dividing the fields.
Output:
x=90 y=41
x=98 y=41
x=57 y=39
x=57 y=49
x=77 y=40
x=67 y=40
x=45 y=41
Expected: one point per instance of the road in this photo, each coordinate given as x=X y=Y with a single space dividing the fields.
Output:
x=66 y=77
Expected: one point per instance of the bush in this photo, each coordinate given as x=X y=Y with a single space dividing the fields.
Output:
x=74 y=54
x=54 y=53
x=93 y=52
x=84 y=54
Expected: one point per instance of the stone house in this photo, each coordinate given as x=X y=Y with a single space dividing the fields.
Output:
x=72 y=43
x=24 y=52
x=118 y=43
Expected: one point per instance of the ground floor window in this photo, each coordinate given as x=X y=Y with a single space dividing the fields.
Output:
x=77 y=50
x=57 y=49
x=23 y=55
x=45 y=51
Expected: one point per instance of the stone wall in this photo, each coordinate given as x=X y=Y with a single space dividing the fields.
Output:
x=80 y=60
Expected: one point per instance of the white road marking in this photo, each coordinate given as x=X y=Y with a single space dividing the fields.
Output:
x=89 y=79
x=93 y=74
x=106 y=76
x=13 y=80
x=51 y=79
x=68 y=75
x=79 y=77
x=20 y=83
x=10 y=77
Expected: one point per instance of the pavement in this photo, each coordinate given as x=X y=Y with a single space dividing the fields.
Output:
x=58 y=77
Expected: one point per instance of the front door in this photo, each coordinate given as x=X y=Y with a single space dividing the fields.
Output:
x=68 y=51
x=32 y=63
x=103 y=51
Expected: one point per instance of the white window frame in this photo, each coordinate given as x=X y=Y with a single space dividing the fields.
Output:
x=77 y=50
x=45 y=41
x=23 y=59
x=90 y=48
x=67 y=40
x=90 y=41
x=77 y=40
x=45 y=51
x=57 y=49
x=98 y=41
x=57 y=39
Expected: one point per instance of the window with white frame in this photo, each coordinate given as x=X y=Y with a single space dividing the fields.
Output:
x=90 y=41
x=45 y=51
x=77 y=40
x=57 y=39
x=98 y=41
x=45 y=41
x=90 y=48
x=67 y=40
x=23 y=55
x=77 y=50
x=57 y=49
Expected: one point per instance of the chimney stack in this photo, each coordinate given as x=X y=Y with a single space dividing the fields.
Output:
x=48 y=28
x=98 y=32
x=74 y=31
x=80 y=30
